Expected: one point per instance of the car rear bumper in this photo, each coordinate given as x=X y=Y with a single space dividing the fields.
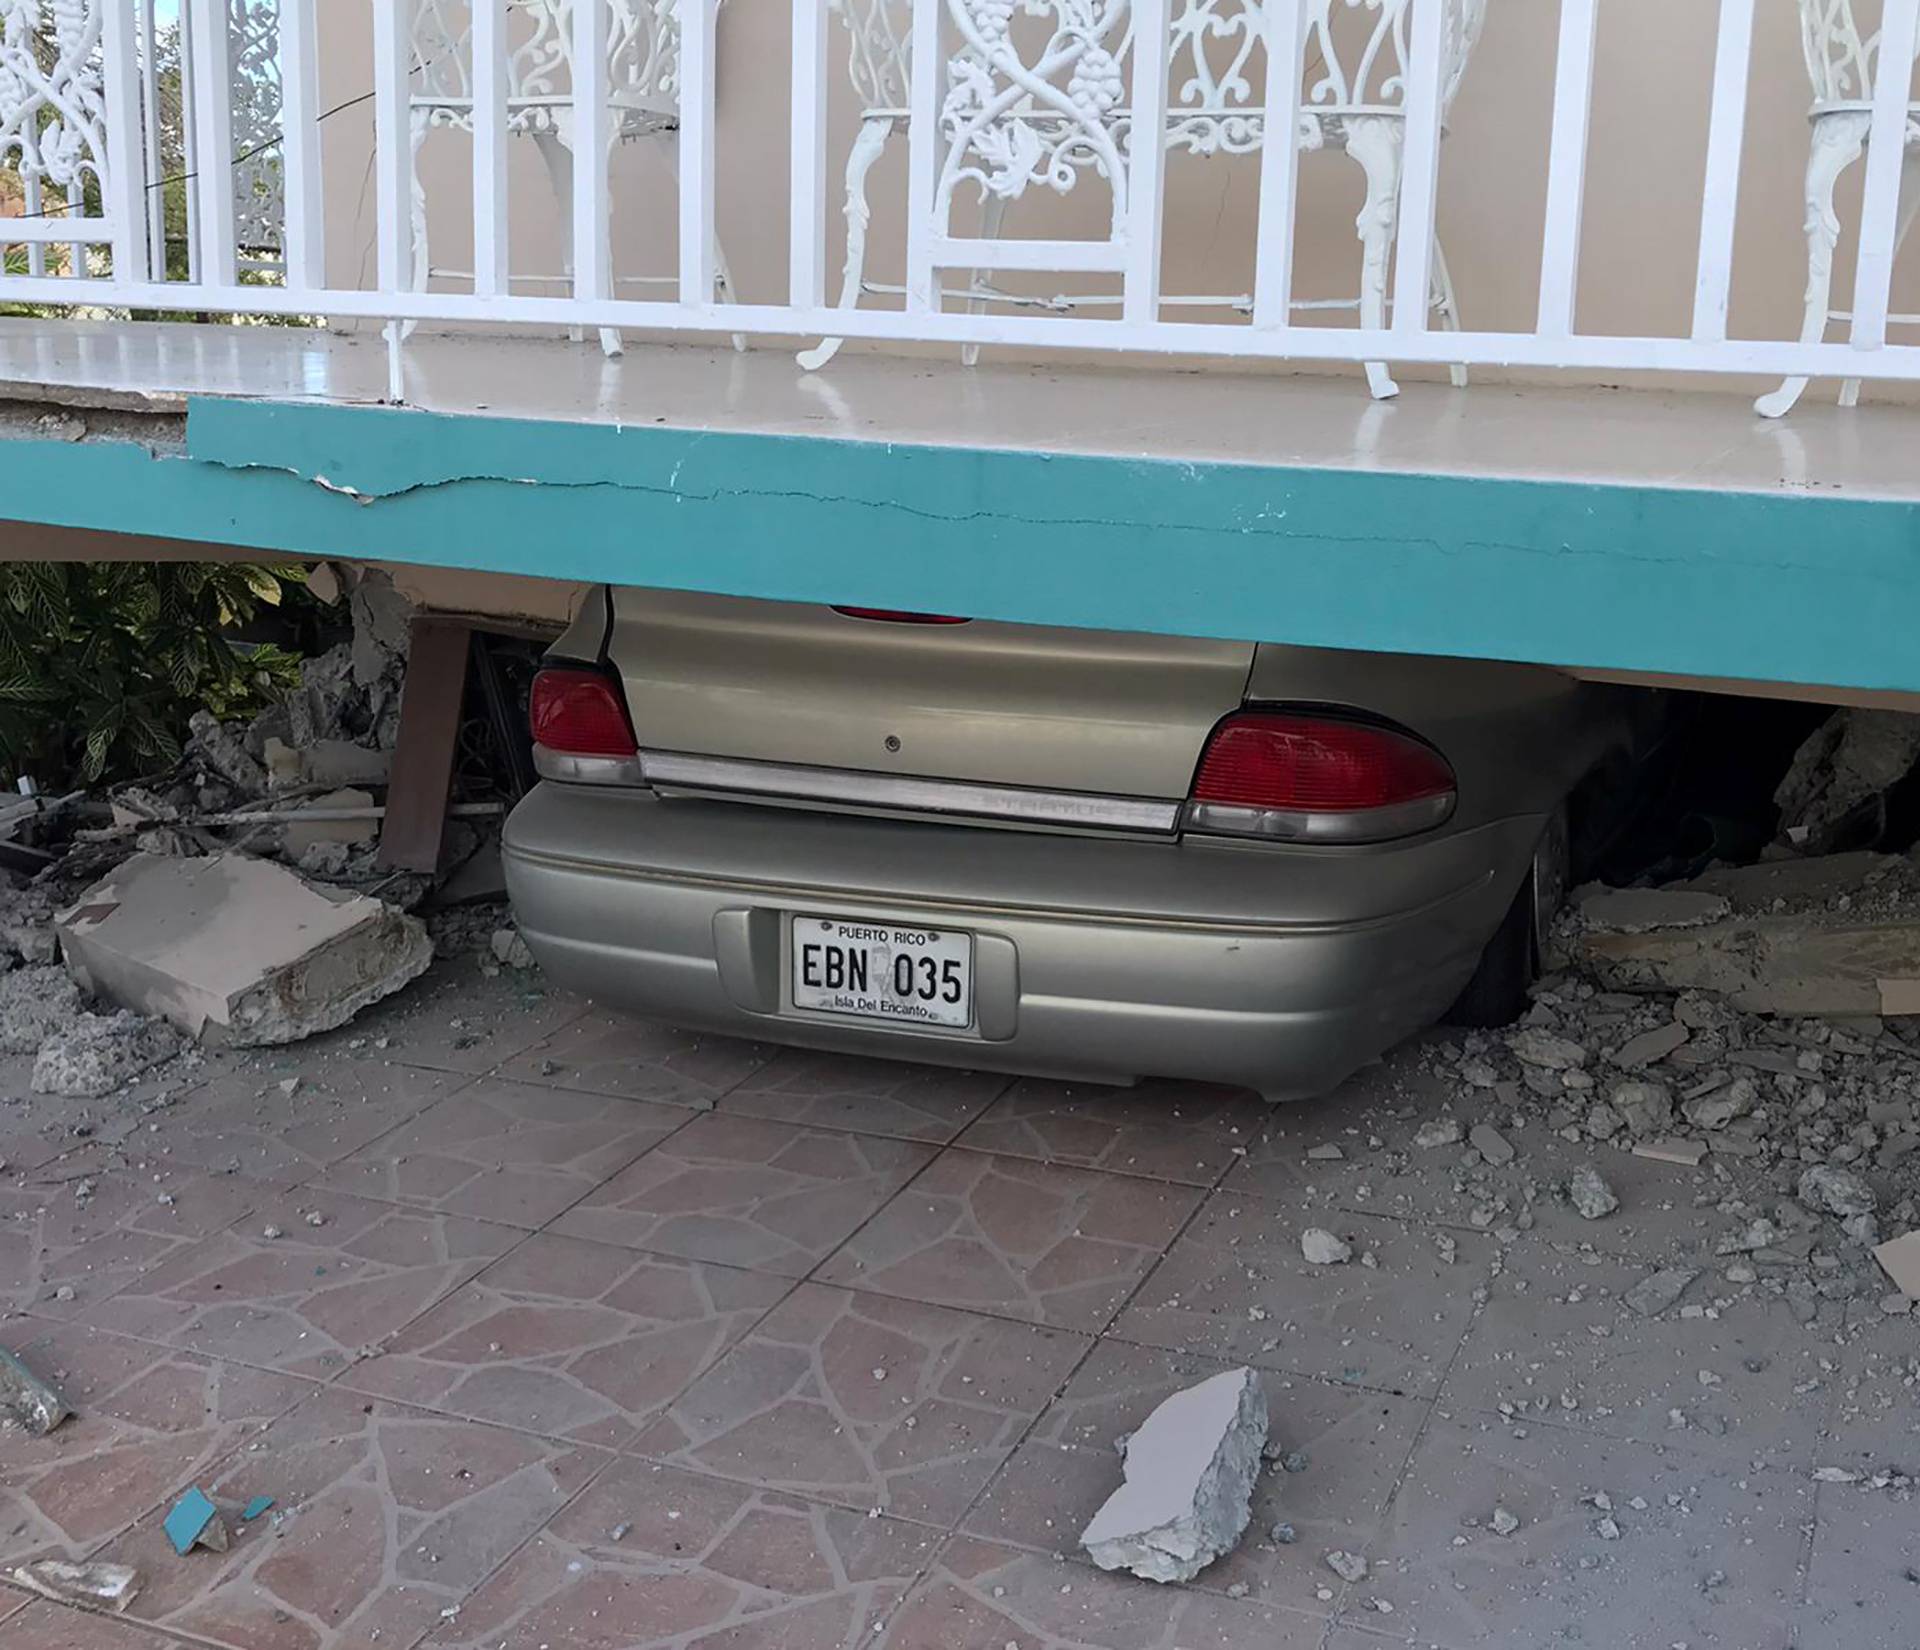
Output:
x=1282 y=969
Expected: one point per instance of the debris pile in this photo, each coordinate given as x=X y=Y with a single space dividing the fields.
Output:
x=1190 y=1471
x=237 y=951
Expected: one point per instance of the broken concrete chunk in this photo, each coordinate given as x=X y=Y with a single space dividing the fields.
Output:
x=101 y=1053
x=28 y=1401
x=226 y=753
x=1688 y=1153
x=1900 y=1260
x=510 y=950
x=1590 y=1195
x=1503 y=1522
x=1442 y=1131
x=1491 y=1144
x=1347 y=1566
x=1603 y=1122
x=34 y=1004
x=1642 y=910
x=1834 y=1191
x=1190 y=1471
x=1534 y=1047
x=1646 y=1108
x=1322 y=1248
x=1653 y=1045
x=97 y=1586
x=1653 y=1295
x=236 y=950
x=1722 y=1106
x=1846 y=764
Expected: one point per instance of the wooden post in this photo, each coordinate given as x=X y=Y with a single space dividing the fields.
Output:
x=430 y=705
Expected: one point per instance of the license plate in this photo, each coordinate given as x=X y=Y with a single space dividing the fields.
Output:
x=880 y=971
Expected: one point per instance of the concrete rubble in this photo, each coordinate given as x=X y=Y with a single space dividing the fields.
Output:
x=237 y=951
x=26 y=1401
x=99 y=1054
x=1831 y=937
x=96 y=1586
x=1190 y=1469
x=1834 y=794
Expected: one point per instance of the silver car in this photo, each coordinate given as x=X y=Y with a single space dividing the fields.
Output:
x=1061 y=852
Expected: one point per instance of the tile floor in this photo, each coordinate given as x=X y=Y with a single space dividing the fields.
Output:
x=545 y=1329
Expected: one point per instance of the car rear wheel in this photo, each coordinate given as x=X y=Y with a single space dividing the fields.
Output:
x=1497 y=993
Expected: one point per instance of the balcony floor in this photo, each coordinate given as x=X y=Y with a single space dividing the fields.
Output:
x=1654 y=533
x=1619 y=437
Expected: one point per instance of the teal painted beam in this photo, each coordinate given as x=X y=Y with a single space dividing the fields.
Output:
x=1770 y=587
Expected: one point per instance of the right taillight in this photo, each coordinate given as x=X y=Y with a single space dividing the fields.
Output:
x=1305 y=778
x=581 y=731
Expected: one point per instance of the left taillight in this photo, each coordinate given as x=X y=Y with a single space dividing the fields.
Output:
x=581 y=730
x=1313 y=778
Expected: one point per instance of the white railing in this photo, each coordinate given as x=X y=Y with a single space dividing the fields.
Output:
x=1015 y=99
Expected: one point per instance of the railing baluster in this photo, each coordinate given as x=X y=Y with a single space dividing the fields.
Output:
x=1279 y=164
x=1147 y=164
x=489 y=147
x=697 y=20
x=1726 y=145
x=806 y=234
x=1886 y=156
x=592 y=153
x=213 y=129
x=1419 y=189
x=923 y=159
x=305 y=232
x=1567 y=168
x=154 y=206
x=392 y=144
x=126 y=195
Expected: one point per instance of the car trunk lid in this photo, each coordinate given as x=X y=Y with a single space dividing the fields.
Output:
x=1108 y=713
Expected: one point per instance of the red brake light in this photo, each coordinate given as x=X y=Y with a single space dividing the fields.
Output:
x=578 y=712
x=1324 y=778
x=895 y=615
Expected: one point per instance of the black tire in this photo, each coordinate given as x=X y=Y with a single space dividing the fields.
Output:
x=1497 y=993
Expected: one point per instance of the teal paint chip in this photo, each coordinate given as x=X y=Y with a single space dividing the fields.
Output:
x=191 y=1514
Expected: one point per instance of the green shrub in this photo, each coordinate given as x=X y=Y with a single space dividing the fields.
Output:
x=102 y=663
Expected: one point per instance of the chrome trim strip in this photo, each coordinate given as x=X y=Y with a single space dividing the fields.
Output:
x=1283 y=825
x=909 y=795
x=587 y=770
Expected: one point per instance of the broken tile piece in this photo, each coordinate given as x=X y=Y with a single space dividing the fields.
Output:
x=236 y=950
x=1653 y=1045
x=1190 y=1470
x=194 y=1521
x=1653 y=1295
x=1690 y=1153
x=1899 y=1258
x=1491 y=1144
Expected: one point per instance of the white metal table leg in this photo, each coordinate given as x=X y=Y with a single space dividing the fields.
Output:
x=1838 y=141
x=867 y=148
x=1377 y=144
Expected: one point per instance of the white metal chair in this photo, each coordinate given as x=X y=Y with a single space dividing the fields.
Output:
x=643 y=52
x=1842 y=64
x=1354 y=102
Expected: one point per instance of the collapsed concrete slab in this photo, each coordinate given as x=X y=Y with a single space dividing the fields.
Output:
x=1190 y=1471
x=1801 y=966
x=237 y=951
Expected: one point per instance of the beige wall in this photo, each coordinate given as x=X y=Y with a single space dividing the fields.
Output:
x=1653 y=82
